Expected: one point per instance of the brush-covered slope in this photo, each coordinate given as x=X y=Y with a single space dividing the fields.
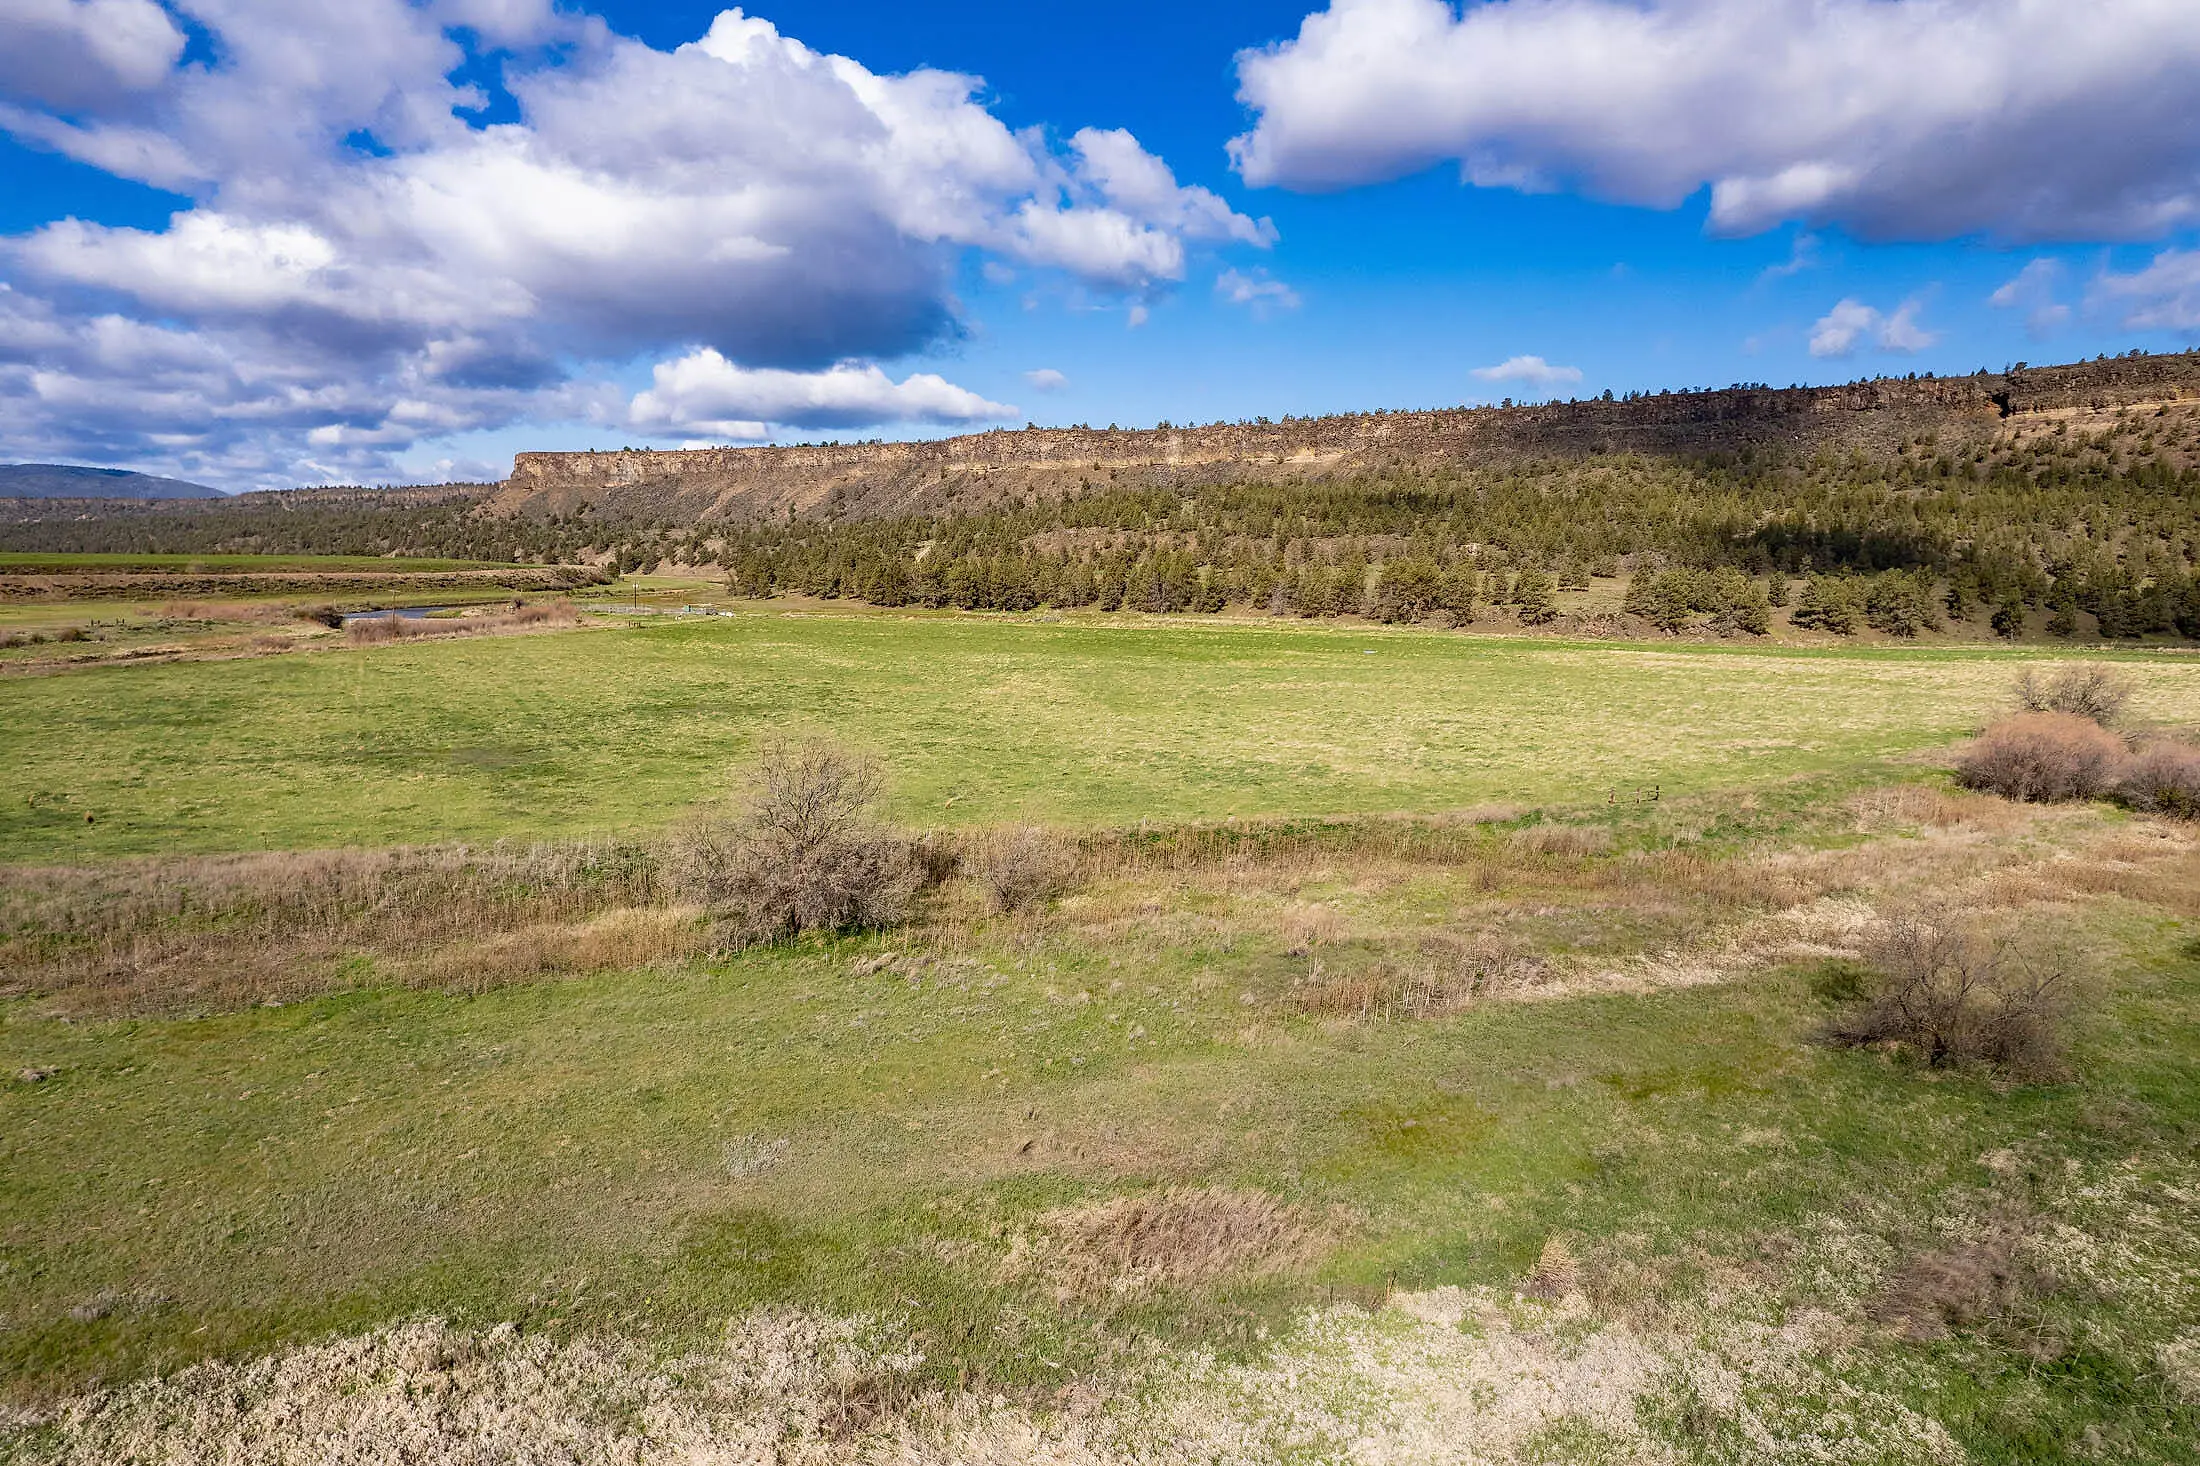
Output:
x=985 y=470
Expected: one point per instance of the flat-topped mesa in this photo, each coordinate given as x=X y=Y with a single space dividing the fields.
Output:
x=864 y=480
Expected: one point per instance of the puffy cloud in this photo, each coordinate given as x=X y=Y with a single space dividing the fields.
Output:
x=241 y=407
x=1103 y=246
x=1851 y=323
x=742 y=195
x=72 y=54
x=1839 y=329
x=1894 y=118
x=2165 y=296
x=1531 y=369
x=703 y=392
x=2034 y=291
x=1256 y=291
x=1046 y=379
x=1141 y=185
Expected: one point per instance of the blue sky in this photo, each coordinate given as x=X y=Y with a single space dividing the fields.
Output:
x=266 y=242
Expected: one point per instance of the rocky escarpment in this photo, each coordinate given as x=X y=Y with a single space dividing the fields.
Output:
x=983 y=469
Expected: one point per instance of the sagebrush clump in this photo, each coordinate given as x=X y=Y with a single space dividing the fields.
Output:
x=802 y=853
x=2163 y=778
x=1019 y=868
x=1954 y=994
x=2043 y=758
x=2099 y=694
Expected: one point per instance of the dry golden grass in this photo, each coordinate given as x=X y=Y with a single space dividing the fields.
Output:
x=1573 y=840
x=531 y=616
x=1443 y=975
x=228 y=931
x=1897 y=806
x=1449 y=1377
x=1557 y=1271
x=617 y=940
x=1284 y=844
x=1168 y=1239
x=249 y=612
x=214 y=932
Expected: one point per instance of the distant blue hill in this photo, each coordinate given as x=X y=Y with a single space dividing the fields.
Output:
x=66 y=481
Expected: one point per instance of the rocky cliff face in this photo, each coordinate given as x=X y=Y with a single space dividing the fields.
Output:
x=982 y=469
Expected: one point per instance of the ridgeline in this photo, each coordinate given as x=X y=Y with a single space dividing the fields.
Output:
x=986 y=470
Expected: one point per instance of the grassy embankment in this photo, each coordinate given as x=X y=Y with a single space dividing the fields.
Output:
x=1489 y=1059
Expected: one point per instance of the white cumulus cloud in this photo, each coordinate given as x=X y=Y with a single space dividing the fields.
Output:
x=1533 y=370
x=77 y=53
x=1852 y=323
x=357 y=233
x=1046 y=379
x=2023 y=119
x=703 y=392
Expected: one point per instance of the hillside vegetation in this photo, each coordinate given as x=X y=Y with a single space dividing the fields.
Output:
x=2062 y=502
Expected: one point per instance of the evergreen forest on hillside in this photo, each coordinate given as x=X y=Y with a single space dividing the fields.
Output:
x=2045 y=526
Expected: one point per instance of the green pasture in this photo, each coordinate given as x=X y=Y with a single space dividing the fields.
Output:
x=977 y=718
x=585 y=1154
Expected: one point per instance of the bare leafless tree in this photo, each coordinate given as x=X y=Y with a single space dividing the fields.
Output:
x=1953 y=993
x=803 y=852
x=2086 y=689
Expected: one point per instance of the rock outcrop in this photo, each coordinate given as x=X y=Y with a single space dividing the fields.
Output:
x=984 y=469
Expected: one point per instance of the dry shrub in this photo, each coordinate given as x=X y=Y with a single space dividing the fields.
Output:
x=541 y=613
x=1953 y=993
x=1173 y=1238
x=1021 y=867
x=2084 y=690
x=378 y=630
x=802 y=854
x=1575 y=840
x=2163 y=778
x=938 y=858
x=2043 y=758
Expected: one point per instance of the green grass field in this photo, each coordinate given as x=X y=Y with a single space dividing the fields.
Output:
x=977 y=719
x=886 y=1125
x=579 y=1156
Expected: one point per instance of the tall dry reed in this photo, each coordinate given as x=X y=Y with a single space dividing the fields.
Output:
x=150 y=935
